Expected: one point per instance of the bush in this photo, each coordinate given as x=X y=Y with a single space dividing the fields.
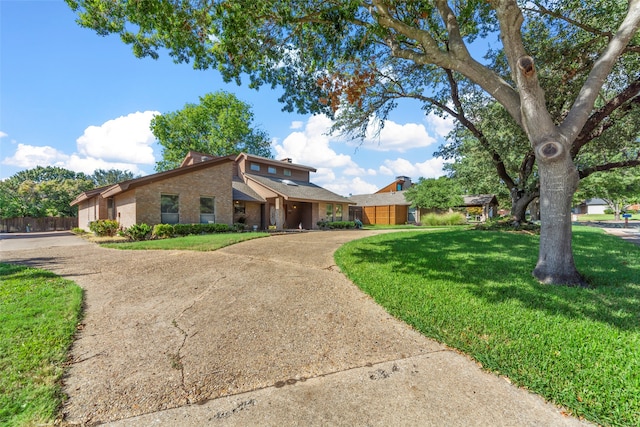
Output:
x=78 y=230
x=238 y=227
x=342 y=224
x=454 y=218
x=104 y=227
x=186 y=229
x=162 y=231
x=609 y=211
x=138 y=232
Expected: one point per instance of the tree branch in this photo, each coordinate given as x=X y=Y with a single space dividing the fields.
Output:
x=609 y=166
x=579 y=113
x=587 y=132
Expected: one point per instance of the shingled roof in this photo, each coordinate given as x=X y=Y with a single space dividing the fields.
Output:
x=479 y=200
x=381 y=199
x=297 y=190
x=243 y=192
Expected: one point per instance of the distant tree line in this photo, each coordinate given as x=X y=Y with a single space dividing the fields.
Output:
x=48 y=191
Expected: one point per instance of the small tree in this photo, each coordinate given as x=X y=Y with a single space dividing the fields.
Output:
x=442 y=193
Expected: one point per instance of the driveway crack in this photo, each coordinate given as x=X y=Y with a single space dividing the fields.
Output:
x=176 y=358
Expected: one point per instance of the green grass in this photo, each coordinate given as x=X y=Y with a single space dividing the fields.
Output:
x=473 y=290
x=203 y=242
x=596 y=217
x=39 y=312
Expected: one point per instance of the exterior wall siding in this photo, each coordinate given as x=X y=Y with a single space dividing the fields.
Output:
x=91 y=210
x=126 y=212
x=252 y=215
x=142 y=205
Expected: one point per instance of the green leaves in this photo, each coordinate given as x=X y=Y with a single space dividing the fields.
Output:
x=440 y=193
x=219 y=125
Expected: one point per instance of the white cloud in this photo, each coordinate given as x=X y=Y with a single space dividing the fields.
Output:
x=126 y=139
x=311 y=146
x=397 y=137
x=297 y=124
x=354 y=186
x=440 y=125
x=431 y=168
x=30 y=156
x=2 y=134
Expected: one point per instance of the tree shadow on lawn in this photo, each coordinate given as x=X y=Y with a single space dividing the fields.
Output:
x=496 y=267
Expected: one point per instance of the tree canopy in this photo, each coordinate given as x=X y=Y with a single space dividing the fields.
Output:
x=435 y=193
x=42 y=191
x=48 y=190
x=354 y=60
x=219 y=125
x=103 y=177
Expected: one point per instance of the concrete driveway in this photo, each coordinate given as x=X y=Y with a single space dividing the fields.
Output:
x=266 y=332
x=25 y=241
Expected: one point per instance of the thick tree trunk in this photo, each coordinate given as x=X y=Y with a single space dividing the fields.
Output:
x=558 y=182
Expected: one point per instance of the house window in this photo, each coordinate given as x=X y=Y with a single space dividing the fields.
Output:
x=287 y=172
x=398 y=187
x=255 y=167
x=110 y=210
x=238 y=207
x=207 y=210
x=271 y=169
x=169 y=208
x=329 y=212
x=338 y=213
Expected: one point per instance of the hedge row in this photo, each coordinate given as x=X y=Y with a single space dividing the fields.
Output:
x=106 y=227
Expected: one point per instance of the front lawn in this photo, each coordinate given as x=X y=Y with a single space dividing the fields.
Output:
x=201 y=242
x=39 y=312
x=473 y=290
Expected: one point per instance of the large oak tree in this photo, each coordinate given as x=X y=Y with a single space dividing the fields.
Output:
x=351 y=56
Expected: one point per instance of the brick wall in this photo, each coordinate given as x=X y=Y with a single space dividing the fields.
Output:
x=142 y=205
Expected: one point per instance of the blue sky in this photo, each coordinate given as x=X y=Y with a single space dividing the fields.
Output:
x=71 y=98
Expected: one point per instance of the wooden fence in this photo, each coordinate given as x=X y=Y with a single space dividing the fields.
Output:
x=28 y=224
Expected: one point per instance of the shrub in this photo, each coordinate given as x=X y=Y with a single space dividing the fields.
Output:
x=138 y=231
x=186 y=229
x=162 y=231
x=608 y=211
x=78 y=230
x=104 y=227
x=238 y=227
x=342 y=224
x=454 y=218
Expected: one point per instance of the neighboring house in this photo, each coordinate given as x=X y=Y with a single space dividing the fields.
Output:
x=389 y=205
x=591 y=206
x=386 y=206
x=487 y=202
x=259 y=192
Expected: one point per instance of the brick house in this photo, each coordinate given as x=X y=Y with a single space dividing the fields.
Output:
x=259 y=192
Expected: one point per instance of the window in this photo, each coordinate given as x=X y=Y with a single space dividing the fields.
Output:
x=398 y=187
x=169 y=209
x=287 y=172
x=271 y=169
x=207 y=210
x=338 y=213
x=110 y=210
x=329 y=212
x=238 y=207
x=254 y=167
